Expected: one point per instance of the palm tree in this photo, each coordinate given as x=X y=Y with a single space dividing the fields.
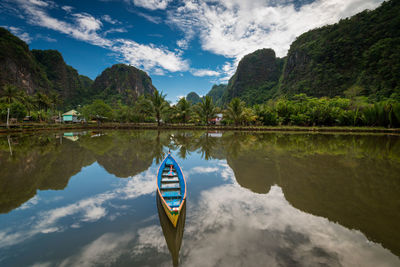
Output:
x=235 y=111
x=159 y=105
x=183 y=107
x=143 y=108
x=10 y=93
x=54 y=100
x=206 y=109
x=28 y=101
x=42 y=101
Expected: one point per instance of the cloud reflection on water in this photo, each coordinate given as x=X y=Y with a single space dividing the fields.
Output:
x=90 y=209
x=231 y=226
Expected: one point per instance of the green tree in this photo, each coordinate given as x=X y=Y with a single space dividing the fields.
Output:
x=98 y=110
x=42 y=101
x=183 y=108
x=206 y=109
x=54 y=100
x=235 y=111
x=9 y=94
x=159 y=105
x=17 y=110
x=143 y=109
x=28 y=101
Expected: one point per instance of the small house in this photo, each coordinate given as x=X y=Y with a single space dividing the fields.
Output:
x=217 y=119
x=71 y=116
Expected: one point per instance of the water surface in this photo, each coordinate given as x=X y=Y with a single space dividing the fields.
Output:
x=254 y=199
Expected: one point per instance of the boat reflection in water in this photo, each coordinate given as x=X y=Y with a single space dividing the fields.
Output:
x=173 y=235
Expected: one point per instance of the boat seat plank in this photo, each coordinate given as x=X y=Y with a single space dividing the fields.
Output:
x=171 y=194
x=170 y=175
x=169 y=180
x=170 y=186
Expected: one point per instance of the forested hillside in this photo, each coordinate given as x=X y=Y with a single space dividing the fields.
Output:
x=356 y=56
x=362 y=51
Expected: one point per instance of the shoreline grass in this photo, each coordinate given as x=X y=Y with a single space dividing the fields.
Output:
x=25 y=127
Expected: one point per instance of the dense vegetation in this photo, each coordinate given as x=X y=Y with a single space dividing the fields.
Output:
x=216 y=93
x=45 y=72
x=362 y=50
x=300 y=110
x=256 y=78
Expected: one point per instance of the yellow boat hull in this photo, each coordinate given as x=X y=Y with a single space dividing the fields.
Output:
x=173 y=217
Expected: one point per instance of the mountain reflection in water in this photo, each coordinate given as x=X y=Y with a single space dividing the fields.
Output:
x=285 y=199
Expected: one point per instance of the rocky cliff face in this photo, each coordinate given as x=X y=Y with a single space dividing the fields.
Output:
x=256 y=77
x=65 y=80
x=122 y=82
x=39 y=70
x=18 y=66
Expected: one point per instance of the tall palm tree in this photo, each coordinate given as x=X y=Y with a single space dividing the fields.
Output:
x=235 y=111
x=9 y=94
x=54 y=100
x=42 y=101
x=143 y=108
x=183 y=107
x=159 y=105
x=206 y=109
x=28 y=101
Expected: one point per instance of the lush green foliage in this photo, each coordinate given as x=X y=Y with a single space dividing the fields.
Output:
x=256 y=78
x=362 y=50
x=205 y=110
x=216 y=92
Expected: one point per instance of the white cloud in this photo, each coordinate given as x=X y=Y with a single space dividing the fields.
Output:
x=39 y=3
x=153 y=19
x=183 y=43
x=20 y=33
x=204 y=72
x=152 y=4
x=87 y=28
x=238 y=27
x=108 y=19
x=46 y=38
x=150 y=56
x=87 y=210
x=105 y=250
x=67 y=9
x=200 y=169
x=113 y=30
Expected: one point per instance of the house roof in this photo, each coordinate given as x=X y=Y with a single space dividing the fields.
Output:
x=71 y=112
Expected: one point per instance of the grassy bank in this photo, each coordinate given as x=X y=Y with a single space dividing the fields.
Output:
x=25 y=127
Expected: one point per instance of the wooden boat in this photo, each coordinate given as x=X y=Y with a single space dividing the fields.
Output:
x=171 y=187
x=173 y=235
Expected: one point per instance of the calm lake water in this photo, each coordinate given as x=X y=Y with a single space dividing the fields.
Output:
x=254 y=199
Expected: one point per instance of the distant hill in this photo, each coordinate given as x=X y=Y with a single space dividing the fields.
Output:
x=122 y=82
x=362 y=51
x=256 y=77
x=217 y=92
x=65 y=80
x=19 y=66
x=46 y=71
x=193 y=97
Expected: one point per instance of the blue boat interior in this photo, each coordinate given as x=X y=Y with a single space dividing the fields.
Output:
x=170 y=182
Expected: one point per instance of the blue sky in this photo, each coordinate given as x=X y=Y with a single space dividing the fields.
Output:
x=185 y=45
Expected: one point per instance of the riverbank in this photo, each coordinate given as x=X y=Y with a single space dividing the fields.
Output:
x=25 y=127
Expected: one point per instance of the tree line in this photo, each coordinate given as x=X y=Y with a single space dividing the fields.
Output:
x=299 y=110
